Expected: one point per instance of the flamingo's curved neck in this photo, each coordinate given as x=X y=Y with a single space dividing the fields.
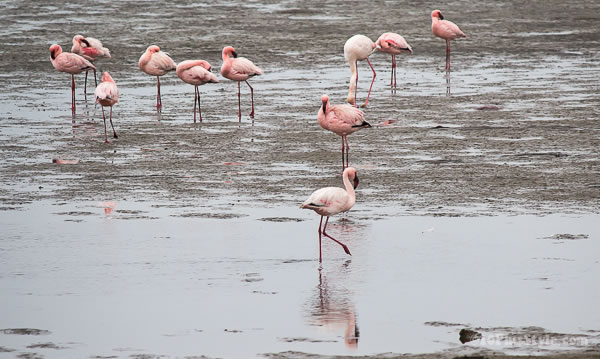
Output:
x=349 y=187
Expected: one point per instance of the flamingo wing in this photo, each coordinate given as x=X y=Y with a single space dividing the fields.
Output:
x=72 y=63
x=107 y=91
x=163 y=62
x=243 y=66
x=348 y=114
x=331 y=199
x=449 y=29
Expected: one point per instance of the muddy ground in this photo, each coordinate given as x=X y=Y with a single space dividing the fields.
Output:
x=519 y=133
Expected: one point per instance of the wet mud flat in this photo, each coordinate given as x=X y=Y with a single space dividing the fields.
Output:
x=517 y=138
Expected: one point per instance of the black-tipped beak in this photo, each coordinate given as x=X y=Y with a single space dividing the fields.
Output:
x=441 y=16
x=366 y=125
x=324 y=106
x=356 y=181
x=52 y=55
x=234 y=54
x=85 y=42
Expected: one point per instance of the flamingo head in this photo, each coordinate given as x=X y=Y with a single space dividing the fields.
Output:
x=205 y=64
x=229 y=50
x=352 y=176
x=325 y=100
x=106 y=77
x=55 y=50
x=81 y=40
x=437 y=14
x=153 y=49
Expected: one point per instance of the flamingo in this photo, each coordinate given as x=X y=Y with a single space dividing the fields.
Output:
x=196 y=72
x=356 y=48
x=330 y=201
x=341 y=120
x=239 y=69
x=91 y=49
x=70 y=63
x=156 y=63
x=446 y=30
x=394 y=44
x=107 y=94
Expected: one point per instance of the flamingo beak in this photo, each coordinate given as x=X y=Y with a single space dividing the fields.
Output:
x=441 y=16
x=356 y=181
x=324 y=106
x=234 y=54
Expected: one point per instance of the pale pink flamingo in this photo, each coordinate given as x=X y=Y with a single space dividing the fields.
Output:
x=196 y=72
x=330 y=201
x=107 y=94
x=446 y=30
x=239 y=69
x=91 y=49
x=70 y=63
x=156 y=63
x=394 y=44
x=357 y=48
x=341 y=120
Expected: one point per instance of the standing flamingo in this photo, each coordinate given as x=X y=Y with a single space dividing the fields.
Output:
x=239 y=69
x=91 y=49
x=341 y=120
x=358 y=47
x=394 y=44
x=71 y=63
x=107 y=94
x=330 y=201
x=446 y=30
x=156 y=63
x=196 y=72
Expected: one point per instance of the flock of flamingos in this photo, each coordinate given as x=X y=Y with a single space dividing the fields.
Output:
x=339 y=119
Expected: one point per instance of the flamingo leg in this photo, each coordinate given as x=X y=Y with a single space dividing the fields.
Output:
x=343 y=168
x=95 y=78
x=252 y=96
x=195 y=100
x=73 y=94
x=85 y=84
x=347 y=152
x=104 y=118
x=335 y=240
x=199 y=108
x=158 y=98
x=356 y=83
x=239 y=104
x=447 y=55
x=111 y=125
x=320 y=254
x=372 y=81
x=394 y=68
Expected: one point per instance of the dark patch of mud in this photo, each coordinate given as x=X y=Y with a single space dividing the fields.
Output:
x=24 y=331
x=305 y=340
x=75 y=213
x=280 y=219
x=567 y=237
x=443 y=324
x=211 y=215
x=6 y=350
x=467 y=335
x=48 y=345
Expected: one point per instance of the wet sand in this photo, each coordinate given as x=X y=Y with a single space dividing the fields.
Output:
x=517 y=138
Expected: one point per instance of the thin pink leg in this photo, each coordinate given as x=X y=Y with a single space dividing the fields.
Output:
x=195 y=100
x=447 y=55
x=158 y=98
x=252 y=96
x=320 y=254
x=95 y=78
x=85 y=84
x=392 y=74
x=199 y=107
x=73 y=94
x=111 y=125
x=374 y=75
x=356 y=83
x=335 y=240
x=343 y=155
x=104 y=118
x=347 y=152
x=394 y=66
x=239 y=103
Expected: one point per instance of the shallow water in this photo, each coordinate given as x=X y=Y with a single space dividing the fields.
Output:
x=476 y=210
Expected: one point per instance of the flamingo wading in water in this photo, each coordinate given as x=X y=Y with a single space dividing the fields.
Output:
x=196 y=72
x=446 y=30
x=91 y=49
x=239 y=69
x=330 y=201
x=394 y=44
x=341 y=120
x=107 y=94
x=156 y=63
x=70 y=63
x=357 y=48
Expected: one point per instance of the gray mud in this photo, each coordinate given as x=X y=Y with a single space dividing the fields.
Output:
x=518 y=135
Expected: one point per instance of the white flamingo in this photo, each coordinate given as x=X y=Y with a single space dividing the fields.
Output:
x=357 y=48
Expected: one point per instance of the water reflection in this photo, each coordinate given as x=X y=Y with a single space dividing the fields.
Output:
x=332 y=308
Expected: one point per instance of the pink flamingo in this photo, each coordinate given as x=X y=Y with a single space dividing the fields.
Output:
x=91 y=49
x=239 y=69
x=358 y=47
x=341 y=120
x=394 y=44
x=71 y=63
x=156 y=63
x=107 y=94
x=330 y=201
x=196 y=72
x=446 y=30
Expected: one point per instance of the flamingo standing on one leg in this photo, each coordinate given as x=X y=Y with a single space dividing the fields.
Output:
x=330 y=201
x=341 y=120
x=239 y=69
x=107 y=94
x=358 y=47
x=446 y=30
x=91 y=49
x=196 y=72
x=71 y=63
x=156 y=63
x=394 y=44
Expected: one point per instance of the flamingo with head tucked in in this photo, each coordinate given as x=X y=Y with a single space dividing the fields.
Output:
x=446 y=30
x=91 y=49
x=107 y=94
x=394 y=44
x=197 y=73
x=239 y=69
x=156 y=63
